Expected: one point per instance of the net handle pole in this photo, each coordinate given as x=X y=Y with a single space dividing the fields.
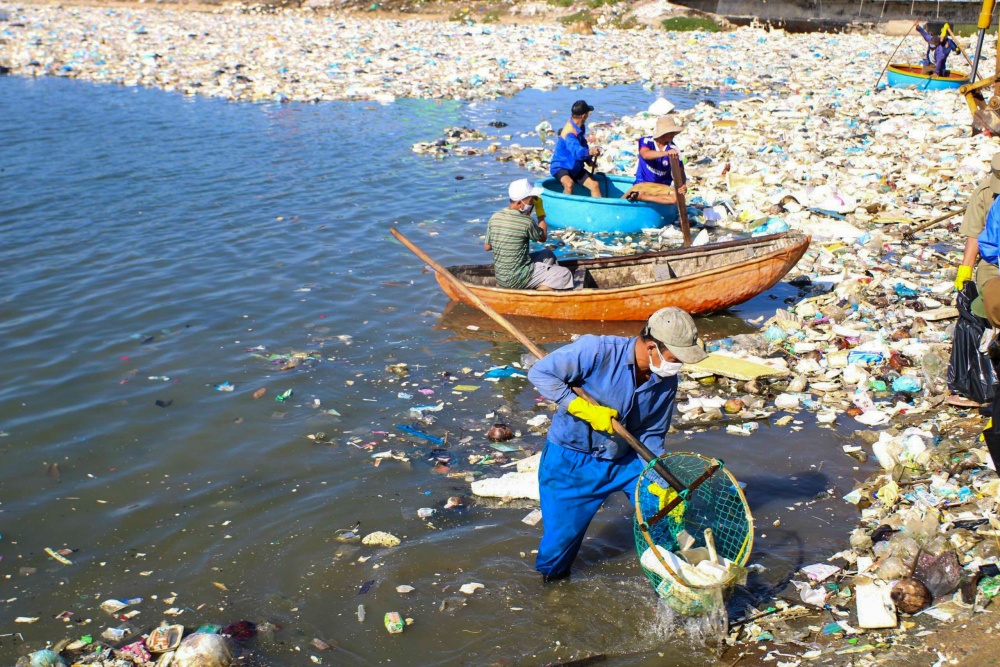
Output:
x=677 y=500
x=620 y=430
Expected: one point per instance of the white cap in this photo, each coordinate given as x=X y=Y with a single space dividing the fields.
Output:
x=523 y=189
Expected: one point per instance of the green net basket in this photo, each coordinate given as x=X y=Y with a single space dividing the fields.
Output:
x=717 y=504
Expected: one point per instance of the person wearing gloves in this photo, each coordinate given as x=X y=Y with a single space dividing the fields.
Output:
x=583 y=463
x=973 y=224
x=509 y=234
x=987 y=306
x=572 y=152
x=939 y=47
x=654 y=179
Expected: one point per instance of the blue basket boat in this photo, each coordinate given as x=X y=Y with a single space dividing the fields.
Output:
x=911 y=76
x=610 y=213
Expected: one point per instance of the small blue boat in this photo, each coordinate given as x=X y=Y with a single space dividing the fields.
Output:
x=912 y=76
x=610 y=213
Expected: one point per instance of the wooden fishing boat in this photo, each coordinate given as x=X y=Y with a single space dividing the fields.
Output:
x=700 y=280
x=904 y=76
x=609 y=213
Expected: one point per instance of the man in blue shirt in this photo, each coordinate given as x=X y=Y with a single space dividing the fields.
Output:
x=653 y=178
x=634 y=380
x=572 y=152
x=938 y=50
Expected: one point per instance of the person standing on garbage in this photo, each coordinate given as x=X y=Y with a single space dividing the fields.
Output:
x=573 y=152
x=939 y=47
x=653 y=178
x=583 y=463
x=973 y=224
x=509 y=234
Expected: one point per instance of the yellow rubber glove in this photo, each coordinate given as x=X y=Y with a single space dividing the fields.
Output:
x=598 y=416
x=964 y=274
x=539 y=209
x=944 y=32
x=666 y=495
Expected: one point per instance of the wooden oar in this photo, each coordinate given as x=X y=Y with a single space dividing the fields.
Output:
x=594 y=174
x=954 y=37
x=633 y=442
x=682 y=213
x=893 y=56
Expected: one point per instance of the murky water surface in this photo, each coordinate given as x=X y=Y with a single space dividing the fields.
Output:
x=155 y=247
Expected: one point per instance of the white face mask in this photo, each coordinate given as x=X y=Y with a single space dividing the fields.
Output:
x=665 y=369
x=527 y=210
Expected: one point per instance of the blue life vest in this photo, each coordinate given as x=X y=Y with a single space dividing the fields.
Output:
x=989 y=240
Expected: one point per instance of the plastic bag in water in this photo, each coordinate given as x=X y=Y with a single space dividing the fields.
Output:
x=204 y=650
x=43 y=658
x=772 y=226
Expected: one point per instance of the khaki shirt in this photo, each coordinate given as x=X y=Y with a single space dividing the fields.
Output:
x=974 y=220
x=973 y=224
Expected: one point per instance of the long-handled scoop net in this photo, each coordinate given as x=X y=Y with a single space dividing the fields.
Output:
x=684 y=502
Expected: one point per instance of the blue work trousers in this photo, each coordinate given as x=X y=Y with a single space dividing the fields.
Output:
x=573 y=486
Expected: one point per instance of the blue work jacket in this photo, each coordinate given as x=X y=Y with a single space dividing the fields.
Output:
x=938 y=56
x=605 y=367
x=572 y=150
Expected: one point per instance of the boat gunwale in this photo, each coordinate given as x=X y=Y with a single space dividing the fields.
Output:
x=953 y=76
x=802 y=240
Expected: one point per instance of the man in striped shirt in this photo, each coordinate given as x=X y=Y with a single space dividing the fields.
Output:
x=509 y=234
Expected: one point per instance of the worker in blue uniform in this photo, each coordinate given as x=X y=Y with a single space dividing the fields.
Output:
x=939 y=47
x=583 y=462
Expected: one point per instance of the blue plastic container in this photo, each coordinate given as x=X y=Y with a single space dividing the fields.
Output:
x=610 y=213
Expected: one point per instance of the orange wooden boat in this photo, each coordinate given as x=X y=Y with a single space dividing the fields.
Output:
x=700 y=280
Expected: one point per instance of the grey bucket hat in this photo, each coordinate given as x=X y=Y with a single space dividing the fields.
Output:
x=676 y=330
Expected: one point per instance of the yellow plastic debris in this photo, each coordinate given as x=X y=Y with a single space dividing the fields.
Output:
x=733 y=368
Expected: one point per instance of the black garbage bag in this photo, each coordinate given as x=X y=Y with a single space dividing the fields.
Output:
x=992 y=434
x=970 y=373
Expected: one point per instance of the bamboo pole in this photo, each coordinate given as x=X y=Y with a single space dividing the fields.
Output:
x=619 y=429
x=888 y=62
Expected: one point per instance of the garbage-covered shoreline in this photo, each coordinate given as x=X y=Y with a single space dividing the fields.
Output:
x=867 y=348
x=868 y=344
x=302 y=55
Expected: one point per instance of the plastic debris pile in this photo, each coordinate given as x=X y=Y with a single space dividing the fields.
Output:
x=300 y=55
x=124 y=646
x=840 y=164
